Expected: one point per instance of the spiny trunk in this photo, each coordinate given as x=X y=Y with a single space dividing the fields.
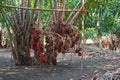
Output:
x=21 y=52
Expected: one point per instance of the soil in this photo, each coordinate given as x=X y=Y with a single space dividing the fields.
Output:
x=94 y=63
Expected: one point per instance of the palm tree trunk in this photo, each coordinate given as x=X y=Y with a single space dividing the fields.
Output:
x=20 y=22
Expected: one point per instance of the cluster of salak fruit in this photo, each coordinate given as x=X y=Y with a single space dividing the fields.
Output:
x=58 y=40
x=37 y=45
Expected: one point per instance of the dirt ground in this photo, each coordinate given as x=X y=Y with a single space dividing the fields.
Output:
x=70 y=67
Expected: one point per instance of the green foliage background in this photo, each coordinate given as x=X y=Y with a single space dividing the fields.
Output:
x=106 y=12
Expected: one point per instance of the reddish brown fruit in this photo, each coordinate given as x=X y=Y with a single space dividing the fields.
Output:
x=43 y=58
